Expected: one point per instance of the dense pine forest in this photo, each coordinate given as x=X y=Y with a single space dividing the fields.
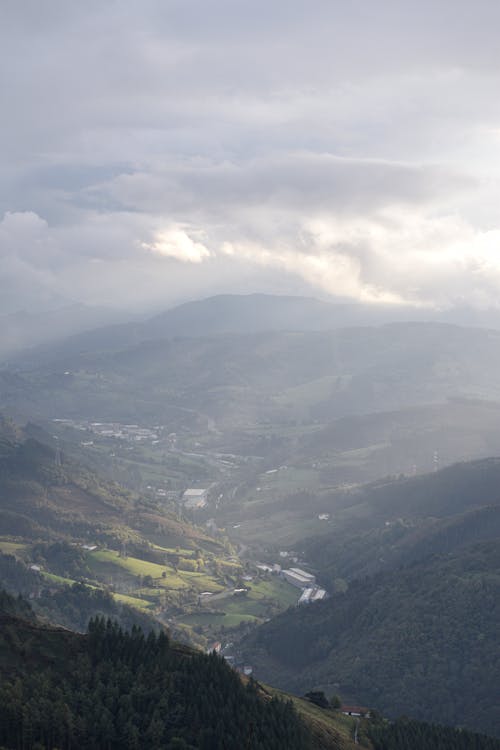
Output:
x=405 y=734
x=118 y=690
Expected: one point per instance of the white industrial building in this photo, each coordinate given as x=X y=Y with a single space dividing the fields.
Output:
x=299 y=578
x=195 y=498
x=310 y=595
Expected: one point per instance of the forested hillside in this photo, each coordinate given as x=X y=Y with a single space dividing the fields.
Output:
x=124 y=691
x=392 y=522
x=421 y=641
x=406 y=734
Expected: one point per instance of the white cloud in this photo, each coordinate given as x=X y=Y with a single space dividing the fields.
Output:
x=175 y=242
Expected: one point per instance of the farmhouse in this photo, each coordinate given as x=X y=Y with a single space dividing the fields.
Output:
x=356 y=711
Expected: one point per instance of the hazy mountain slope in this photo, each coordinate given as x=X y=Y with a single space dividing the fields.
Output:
x=417 y=439
x=383 y=523
x=22 y=330
x=222 y=314
x=422 y=640
x=391 y=523
x=278 y=376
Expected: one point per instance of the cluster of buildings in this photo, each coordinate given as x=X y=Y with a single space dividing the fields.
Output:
x=191 y=499
x=133 y=433
x=299 y=578
x=305 y=581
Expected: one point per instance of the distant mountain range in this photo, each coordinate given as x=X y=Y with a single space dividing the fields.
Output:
x=72 y=329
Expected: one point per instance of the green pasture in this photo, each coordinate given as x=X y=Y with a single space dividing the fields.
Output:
x=200 y=581
x=11 y=548
x=281 y=529
x=181 y=551
x=210 y=619
x=174 y=581
x=141 y=568
x=57 y=579
x=133 y=601
x=308 y=394
x=280 y=591
x=254 y=606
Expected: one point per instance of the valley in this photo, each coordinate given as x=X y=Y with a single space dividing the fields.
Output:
x=208 y=485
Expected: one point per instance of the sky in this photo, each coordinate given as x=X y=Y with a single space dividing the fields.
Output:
x=159 y=151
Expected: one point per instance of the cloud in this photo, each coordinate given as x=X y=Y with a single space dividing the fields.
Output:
x=174 y=242
x=169 y=150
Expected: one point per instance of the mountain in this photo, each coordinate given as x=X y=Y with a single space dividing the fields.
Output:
x=222 y=314
x=421 y=640
x=73 y=329
x=213 y=316
x=390 y=523
x=414 y=567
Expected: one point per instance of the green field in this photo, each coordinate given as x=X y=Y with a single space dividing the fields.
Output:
x=133 y=601
x=12 y=548
x=141 y=568
x=57 y=579
x=262 y=600
x=215 y=620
